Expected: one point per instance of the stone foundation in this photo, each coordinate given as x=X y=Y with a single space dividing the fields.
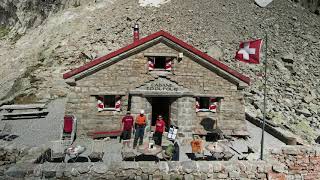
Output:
x=151 y=170
x=290 y=162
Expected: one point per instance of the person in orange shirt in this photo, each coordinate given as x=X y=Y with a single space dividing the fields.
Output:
x=140 y=125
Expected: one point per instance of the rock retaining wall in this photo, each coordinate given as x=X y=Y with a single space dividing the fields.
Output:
x=298 y=162
x=150 y=170
x=290 y=162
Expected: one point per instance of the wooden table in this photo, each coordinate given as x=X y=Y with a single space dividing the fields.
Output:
x=152 y=151
x=145 y=150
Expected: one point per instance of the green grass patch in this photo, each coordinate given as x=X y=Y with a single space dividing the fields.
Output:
x=303 y=129
x=4 y=31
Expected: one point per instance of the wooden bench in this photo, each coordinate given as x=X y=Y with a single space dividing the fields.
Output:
x=103 y=134
x=23 y=110
x=13 y=107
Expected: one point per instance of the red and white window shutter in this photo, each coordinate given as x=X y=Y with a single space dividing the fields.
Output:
x=100 y=104
x=213 y=104
x=151 y=62
x=168 y=63
x=118 y=103
x=197 y=105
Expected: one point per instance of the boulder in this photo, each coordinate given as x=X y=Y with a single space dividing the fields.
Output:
x=308 y=98
x=288 y=58
x=16 y=172
x=189 y=166
x=304 y=112
x=280 y=168
x=21 y=170
x=100 y=168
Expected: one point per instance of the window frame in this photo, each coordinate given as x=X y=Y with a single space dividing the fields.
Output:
x=204 y=109
x=105 y=98
x=217 y=103
x=159 y=58
x=115 y=99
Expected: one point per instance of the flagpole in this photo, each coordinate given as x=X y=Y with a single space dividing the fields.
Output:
x=265 y=97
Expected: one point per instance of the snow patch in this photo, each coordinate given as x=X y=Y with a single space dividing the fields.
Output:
x=153 y=3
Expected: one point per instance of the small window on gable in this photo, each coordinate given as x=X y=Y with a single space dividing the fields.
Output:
x=108 y=102
x=160 y=63
x=206 y=104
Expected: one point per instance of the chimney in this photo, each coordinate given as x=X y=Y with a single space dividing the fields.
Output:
x=135 y=32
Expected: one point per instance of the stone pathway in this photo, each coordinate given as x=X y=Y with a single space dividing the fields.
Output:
x=112 y=151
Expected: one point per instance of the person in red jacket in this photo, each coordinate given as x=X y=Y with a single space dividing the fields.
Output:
x=160 y=125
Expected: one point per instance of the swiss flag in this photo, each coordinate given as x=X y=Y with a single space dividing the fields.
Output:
x=249 y=51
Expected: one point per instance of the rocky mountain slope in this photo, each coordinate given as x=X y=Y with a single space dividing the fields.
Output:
x=47 y=39
x=312 y=5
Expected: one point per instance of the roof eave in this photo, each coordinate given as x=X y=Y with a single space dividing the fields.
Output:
x=144 y=40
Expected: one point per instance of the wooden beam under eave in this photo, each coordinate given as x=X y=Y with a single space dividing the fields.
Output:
x=160 y=54
x=71 y=81
x=242 y=85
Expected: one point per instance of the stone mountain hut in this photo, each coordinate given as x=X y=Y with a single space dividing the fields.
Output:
x=160 y=74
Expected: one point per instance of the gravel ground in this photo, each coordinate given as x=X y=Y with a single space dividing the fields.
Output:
x=254 y=141
x=112 y=151
x=113 y=147
x=270 y=141
x=241 y=145
x=38 y=131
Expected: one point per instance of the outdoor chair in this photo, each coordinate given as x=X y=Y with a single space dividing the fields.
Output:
x=97 y=150
x=197 y=145
x=167 y=154
x=57 y=149
x=69 y=128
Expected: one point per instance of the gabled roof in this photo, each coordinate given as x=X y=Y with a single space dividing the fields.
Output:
x=149 y=38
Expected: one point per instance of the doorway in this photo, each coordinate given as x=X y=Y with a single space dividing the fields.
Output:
x=161 y=106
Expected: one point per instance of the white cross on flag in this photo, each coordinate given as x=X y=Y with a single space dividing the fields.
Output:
x=249 y=51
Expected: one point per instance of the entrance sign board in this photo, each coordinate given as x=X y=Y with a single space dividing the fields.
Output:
x=161 y=87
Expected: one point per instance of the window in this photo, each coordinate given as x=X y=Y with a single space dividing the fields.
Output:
x=206 y=104
x=108 y=102
x=160 y=63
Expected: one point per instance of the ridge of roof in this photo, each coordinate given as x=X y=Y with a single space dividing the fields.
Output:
x=149 y=38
